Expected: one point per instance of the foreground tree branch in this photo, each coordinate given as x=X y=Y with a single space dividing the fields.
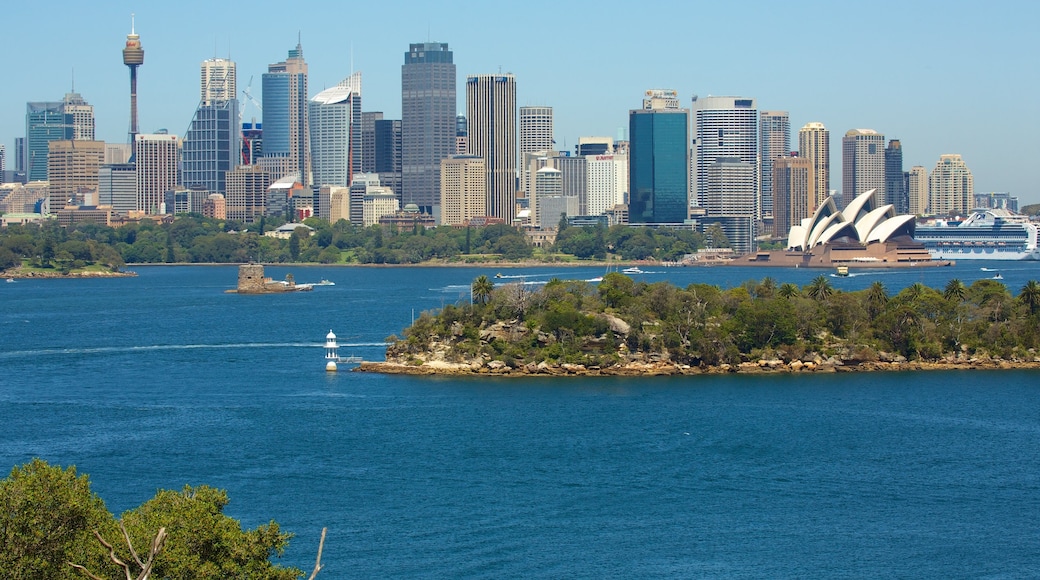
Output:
x=317 y=563
x=146 y=567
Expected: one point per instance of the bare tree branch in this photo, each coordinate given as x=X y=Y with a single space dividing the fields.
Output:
x=317 y=563
x=146 y=567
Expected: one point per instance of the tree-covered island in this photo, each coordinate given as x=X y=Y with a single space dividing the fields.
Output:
x=624 y=327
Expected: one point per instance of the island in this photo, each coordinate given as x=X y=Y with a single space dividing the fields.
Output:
x=622 y=327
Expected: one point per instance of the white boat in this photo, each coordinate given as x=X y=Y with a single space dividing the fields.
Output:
x=325 y=282
x=997 y=277
x=988 y=234
x=632 y=270
x=10 y=280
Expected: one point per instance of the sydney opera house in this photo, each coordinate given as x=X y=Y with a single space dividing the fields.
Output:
x=865 y=234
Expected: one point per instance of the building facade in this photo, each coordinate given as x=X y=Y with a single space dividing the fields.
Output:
x=658 y=166
x=44 y=122
x=368 y=140
x=428 y=109
x=895 y=190
x=862 y=163
x=491 y=114
x=607 y=182
x=246 y=197
x=157 y=164
x=917 y=190
x=72 y=172
x=774 y=141
x=536 y=134
x=285 y=123
x=792 y=190
x=463 y=189
x=723 y=127
x=951 y=187
x=218 y=81
x=117 y=187
x=81 y=114
x=335 y=130
x=814 y=144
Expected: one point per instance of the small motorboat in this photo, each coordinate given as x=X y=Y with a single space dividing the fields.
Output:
x=325 y=282
x=632 y=270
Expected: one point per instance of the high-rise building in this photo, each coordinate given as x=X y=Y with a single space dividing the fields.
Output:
x=588 y=146
x=246 y=198
x=44 y=122
x=368 y=140
x=81 y=114
x=814 y=144
x=463 y=189
x=536 y=134
x=792 y=190
x=20 y=154
x=335 y=128
x=723 y=127
x=72 y=171
x=157 y=160
x=428 y=109
x=862 y=163
x=388 y=153
x=285 y=114
x=461 y=134
x=951 y=187
x=3 y=158
x=547 y=185
x=774 y=141
x=658 y=165
x=607 y=182
x=133 y=57
x=117 y=187
x=895 y=192
x=917 y=190
x=218 y=81
x=491 y=112
x=212 y=146
x=731 y=201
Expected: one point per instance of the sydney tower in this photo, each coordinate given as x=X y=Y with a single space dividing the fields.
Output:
x=133 y=57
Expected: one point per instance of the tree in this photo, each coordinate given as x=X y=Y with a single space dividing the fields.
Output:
x=482 y=288
x=877 y=298
x=820 y=289
x=1030 y=296
x=955 y=290
x=48 y=518
x=787 y=290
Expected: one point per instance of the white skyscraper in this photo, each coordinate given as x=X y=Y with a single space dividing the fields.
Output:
x=862 y=163
x=723 y=127
x=607 y=182
x=536 y=135
x=157 y=157
x=218 y=81
x=335 y=124
x=951 y=187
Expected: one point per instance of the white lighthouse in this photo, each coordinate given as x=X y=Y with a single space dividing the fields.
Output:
x=331 y=352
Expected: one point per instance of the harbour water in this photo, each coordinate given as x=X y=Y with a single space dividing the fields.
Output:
x=164 y=380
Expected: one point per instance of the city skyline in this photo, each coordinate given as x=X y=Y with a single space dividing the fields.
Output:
x=909 y=101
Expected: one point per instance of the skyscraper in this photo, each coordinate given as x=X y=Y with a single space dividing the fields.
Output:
x=133 y=57
x=388 y=153
x=895 y=192
x=774 y=141
x=285 y=114
x=368 y=140
x=792 y=188
x=463 y=189
x=862 y=163
x=44 y=122
x=951 y=186
x=607 y=182
x=117 y=187
x=658 y=165
x=81 y=115
x=427 y=121
x=723 y=127
x=72 y=171
x=335 y=128
x=212 y=145
x=536 y=134
x=246 y=198
x=491 y=113
x=917 y=190
x=814 y=144
x=730 y=200
x=157 y=157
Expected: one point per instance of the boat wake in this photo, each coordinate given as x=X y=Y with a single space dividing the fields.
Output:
x=173 y=347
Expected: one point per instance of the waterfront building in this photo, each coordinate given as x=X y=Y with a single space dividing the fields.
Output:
x=658 y=161
x=428 y=124
x=895 y=180
x=951 y=187
x=792 y=187
x=607 y=182
x=491 y=115
x=285 y=121
x=863 y=163
x=723 y=127
x=463 y=189
x=814 y=144
x=246 y=196
x=335 y=129
x=157 y=162
x=117 y=187
x=72 y=172
x=44 y=122
x=774 y=141
x=574 y=172
x=917 y=190
x=212 y=145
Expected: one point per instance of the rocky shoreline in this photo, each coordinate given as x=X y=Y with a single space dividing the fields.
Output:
x=19 y=274
x=646 y=369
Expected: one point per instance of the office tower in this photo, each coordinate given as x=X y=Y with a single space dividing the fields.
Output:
x=895 y=192
x=588 y=146
x=951 y=187
x=774 y=141
x=157 y=157
x=3 y=158
x=607 y=182
x=463 y=189
x=536 y=134
x=20 y=154
x=723 y=127
x=133 y=57
x=491 y=113
x=574 y=174
x=246 y=197
x=117 y=153
x=387 y=162
x=211 y=146
x=285 y=113
x=81 y=114
x=117 y=187
x=547 y=186
x=730 y=201
x=368 y=140
x=461 y=134
x=792 y=190
x=917 y=190
x=378 y=202
x=72 y=172
x=658 y=165
x=335 y=128
x=814 y=144
x=252 y=142
x=44 y=122
x=428 y=123
x=862 y=163
x=359 y=186
x=661 y=100
x=218 y=81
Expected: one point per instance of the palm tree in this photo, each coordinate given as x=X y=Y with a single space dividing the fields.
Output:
x=788 y=290
x=955 y=290
x=767 y=288
x=820 y=289
x=1030 y=296
x=877 y=297
x=481 y=289
x=915 y=291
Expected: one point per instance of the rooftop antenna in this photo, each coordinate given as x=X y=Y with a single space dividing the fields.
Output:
x=351 y=58
x=73 y=79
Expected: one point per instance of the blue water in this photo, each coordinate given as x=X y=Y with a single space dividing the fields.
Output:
x=163 y=380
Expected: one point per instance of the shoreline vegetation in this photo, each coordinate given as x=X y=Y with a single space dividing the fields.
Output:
x=622 y=327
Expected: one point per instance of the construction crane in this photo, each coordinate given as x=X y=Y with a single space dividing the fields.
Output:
x=249 y=95
x=248 y=136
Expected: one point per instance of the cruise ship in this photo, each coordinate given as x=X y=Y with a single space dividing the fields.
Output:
x=988 y=234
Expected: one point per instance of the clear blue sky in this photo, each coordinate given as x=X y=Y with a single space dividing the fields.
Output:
x=943 y=77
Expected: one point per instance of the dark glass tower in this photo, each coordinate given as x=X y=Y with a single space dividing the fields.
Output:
x=44 y=122
x=895 y=189
x=658 y=166
x=427 y=121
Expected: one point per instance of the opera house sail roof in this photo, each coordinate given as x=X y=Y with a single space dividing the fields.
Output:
x=864 y=220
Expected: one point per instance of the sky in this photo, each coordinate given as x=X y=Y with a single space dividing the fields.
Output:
x=942 y=77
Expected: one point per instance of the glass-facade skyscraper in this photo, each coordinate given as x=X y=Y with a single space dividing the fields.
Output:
x=723 y=127
x=212 y=146
x=491 y=114
x=658 y=166
x=428 y=101
x=285 y=113
x=335 y=127
x=44 y=122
